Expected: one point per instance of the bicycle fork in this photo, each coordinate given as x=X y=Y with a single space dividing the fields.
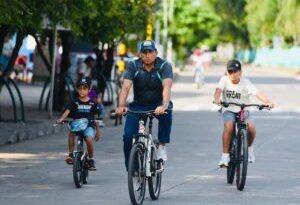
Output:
x=80 y=150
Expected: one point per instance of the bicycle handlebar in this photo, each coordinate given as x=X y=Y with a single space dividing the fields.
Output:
x=147 y=112
x=70 y=121
x=259 y=106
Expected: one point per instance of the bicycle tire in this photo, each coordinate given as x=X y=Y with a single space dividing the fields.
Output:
x=78 y=170
x=85 y=170
x=242 y=160
x=154 y=182
x=231 y=166
x=136 y=174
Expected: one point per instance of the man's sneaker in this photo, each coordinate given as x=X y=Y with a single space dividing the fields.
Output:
x=162 y=153
x=251 y=157
x=224 y=160
x=69 y=158
x=92 y=165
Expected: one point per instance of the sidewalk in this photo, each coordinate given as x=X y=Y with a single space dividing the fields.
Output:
x=36 y=123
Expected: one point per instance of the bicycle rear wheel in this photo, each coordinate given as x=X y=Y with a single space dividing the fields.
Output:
x=136 y=174
x=154 y=182
x=231 y=166
x=78 y=170
x=242 y=159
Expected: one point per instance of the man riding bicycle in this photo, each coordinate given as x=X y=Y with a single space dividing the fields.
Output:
x=236 y=89
x=151 y=78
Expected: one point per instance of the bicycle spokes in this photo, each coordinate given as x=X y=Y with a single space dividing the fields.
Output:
x=136 y=175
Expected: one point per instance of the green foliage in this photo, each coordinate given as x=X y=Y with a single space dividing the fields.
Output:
x=192 y=26
x=94 y=20
x=111 y=20
x=288 y=19
x=233 y=26
x=261 y=16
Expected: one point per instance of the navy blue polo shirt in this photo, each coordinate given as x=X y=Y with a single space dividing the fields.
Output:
x=147 y=85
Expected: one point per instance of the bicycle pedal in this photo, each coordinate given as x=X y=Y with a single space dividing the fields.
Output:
x=223 y=166
x=160 y=170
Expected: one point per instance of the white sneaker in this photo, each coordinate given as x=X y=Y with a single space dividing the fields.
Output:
x=251 y=157
x=224 y=160
x=162 y=153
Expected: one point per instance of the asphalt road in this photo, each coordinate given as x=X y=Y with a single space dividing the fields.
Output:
x=34 y=172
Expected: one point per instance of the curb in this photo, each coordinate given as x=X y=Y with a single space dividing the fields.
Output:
x=27 y=131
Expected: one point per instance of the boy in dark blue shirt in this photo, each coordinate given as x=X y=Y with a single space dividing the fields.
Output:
x=83 y=107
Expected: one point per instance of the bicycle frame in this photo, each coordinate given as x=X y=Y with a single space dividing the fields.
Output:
x=145 y=138
x=80 y=145
x=240 y=121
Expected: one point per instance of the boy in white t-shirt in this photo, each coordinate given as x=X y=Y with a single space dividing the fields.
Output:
x=236 y=89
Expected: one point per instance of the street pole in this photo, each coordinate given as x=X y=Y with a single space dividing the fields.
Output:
x=52 y=73
x=157 y=32
x=165 y=33
x=169 y=40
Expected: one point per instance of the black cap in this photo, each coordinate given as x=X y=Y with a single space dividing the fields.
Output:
x=84 y=81
x=234 y=65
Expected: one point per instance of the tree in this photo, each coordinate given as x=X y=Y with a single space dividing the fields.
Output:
x=192 y=26
x=261 y=16
x=288 y=19
x=233 y=27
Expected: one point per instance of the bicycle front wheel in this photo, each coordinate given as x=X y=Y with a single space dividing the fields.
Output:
x=231 y=166
x=154 y=181
x=136 y=174
x=78 y=170
x=85 y=169
x=242 y=159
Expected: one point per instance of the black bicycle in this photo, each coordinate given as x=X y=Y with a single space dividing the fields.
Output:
x=80 y=156
x=238 y=150
x=143 y=163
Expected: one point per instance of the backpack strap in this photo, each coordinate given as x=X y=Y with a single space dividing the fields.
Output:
x=159 y=70
x=137 y=70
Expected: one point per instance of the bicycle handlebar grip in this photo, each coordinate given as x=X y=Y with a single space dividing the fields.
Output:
x=225 y=104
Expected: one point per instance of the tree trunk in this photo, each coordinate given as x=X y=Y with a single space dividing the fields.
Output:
x=67 y=41
x=60 y=94
x=99 y=69
x=3 y=33
x=41 y=53
x=109 y=62
x=50 y=43
x=11 y=62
